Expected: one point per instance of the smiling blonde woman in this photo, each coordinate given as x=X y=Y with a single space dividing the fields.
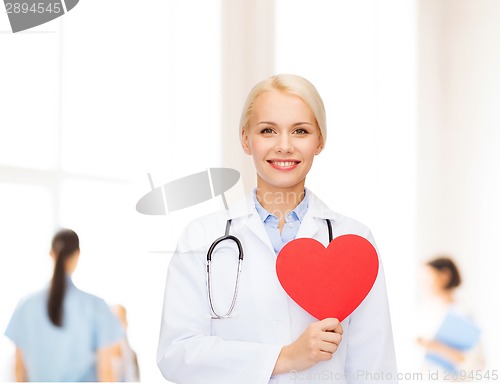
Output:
x=268 y=338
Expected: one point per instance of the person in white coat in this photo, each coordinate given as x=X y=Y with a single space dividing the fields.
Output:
x=268 y=338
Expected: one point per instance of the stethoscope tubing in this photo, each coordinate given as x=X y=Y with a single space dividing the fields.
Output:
x=227 y=236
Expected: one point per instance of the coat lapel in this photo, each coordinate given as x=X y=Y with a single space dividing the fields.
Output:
x=245 y=217
x=314 y=225
x=308 y=227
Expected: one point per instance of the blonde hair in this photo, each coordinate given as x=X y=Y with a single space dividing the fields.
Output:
x=289 y=84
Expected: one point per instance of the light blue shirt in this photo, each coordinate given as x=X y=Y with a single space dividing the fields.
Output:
x=291 y=227
x=66 y=353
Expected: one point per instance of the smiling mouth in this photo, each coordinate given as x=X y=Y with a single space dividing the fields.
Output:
x=283 y=165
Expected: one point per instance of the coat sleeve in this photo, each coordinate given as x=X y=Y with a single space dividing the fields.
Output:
x=370 y=350
x=187 y=352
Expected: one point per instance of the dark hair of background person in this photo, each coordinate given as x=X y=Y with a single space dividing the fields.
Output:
x=64 y=244
x=446 y=264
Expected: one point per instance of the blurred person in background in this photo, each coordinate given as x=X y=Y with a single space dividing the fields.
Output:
x=125 y=364
x=60 y=332
x=451 y=340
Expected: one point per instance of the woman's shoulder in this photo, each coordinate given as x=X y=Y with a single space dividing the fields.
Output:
x=462 y=308
x=341 y=224
x=27 y=309
x=87 y=299
x=87 y=311
x=198 y=231
x=208 y=220
x=33 y=299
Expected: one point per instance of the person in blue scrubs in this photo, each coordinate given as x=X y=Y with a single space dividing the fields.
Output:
x=62 y=333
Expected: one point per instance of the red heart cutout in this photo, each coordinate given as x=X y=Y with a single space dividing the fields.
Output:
x=328 y=282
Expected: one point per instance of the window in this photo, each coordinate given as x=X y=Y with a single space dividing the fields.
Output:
x=91 y=103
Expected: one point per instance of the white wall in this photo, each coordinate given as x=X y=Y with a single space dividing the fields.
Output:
x=90 y=103
x=459 y=149
x=248 y=50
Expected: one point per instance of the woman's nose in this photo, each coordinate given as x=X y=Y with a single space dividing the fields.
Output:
x=284 y=144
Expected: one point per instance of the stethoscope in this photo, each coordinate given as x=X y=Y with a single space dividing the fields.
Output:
x=227 y=236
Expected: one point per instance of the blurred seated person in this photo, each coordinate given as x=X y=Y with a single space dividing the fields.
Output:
x=125 y=362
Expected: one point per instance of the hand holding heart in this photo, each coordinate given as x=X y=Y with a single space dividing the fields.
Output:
x=329 y=283
x=318 y=343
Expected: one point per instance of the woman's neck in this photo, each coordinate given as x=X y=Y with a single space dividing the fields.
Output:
x=280 y=201
x=446 y=296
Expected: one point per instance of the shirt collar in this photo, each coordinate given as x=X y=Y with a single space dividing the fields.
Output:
x=298 y=213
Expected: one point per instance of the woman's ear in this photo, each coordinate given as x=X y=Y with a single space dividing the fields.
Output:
x=245 y=142
x=320 y=146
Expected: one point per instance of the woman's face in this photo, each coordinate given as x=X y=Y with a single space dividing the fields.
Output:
x=283 y=139
x=437 y=280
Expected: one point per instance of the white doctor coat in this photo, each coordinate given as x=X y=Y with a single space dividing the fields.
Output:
x=194 y=348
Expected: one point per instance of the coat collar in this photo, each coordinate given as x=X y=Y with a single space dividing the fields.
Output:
x=244 y=213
